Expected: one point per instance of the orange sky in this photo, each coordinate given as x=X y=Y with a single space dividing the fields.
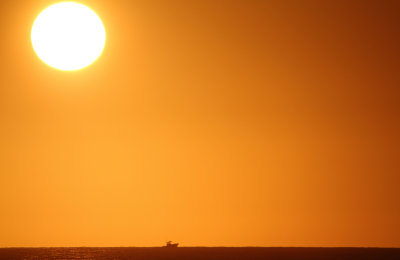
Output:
x=209 y=122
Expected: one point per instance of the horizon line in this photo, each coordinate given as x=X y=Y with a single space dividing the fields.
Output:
x=316 y=247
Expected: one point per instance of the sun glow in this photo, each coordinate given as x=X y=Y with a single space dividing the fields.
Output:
x=68 y=36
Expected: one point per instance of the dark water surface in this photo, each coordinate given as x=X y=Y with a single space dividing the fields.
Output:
x=200 y=253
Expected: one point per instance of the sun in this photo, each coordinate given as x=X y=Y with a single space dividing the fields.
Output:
x=68 y=36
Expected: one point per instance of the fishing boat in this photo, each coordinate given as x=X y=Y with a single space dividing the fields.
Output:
x=171 y=245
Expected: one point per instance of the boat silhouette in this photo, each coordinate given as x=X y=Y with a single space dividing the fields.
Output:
x=171 y=245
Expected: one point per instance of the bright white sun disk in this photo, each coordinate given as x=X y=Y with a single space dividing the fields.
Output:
x=68 y=36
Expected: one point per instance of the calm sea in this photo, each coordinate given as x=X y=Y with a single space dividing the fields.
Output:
x=200 y=253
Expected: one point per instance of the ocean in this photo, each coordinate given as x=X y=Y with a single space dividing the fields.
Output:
x=199 y=253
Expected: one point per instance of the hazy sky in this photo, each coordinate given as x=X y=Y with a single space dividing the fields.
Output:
x=209 y=122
